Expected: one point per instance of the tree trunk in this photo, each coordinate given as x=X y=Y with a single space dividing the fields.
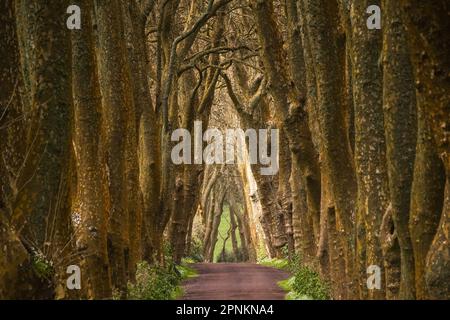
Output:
x=16 y=272
x=427 y=24
x=370 y=147
x=401 y=131
x=337 y=156
x=111 y=72
x=91 y=231
x=40 y=180
x=233 y=227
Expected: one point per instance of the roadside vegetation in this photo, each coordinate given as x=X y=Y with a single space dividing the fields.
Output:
x=156 y=282
x=304 y=284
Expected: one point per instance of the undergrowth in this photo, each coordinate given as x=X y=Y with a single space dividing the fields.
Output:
x=159 y=282
x=196 y=249
x=153 y=283
x=304 y=284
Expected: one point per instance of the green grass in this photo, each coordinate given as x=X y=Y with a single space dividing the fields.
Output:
x=177 y=293
x=282 y=264
x=185 y=271
x=187 y=260
x=223 y=229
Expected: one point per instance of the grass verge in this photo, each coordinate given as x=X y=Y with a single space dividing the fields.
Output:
x=282 y=264
x=159 y=283
x=305 y=284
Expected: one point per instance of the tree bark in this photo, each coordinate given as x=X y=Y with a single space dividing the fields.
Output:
x=337 y=156
x=114 y=112
x=40 y=180
x=427 y=24
x=370 y=146
x=91 y=231
x=401 y=131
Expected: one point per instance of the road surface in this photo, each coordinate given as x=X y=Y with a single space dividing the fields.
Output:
x=234 y=281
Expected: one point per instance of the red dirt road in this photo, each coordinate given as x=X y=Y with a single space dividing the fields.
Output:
x=234 y=281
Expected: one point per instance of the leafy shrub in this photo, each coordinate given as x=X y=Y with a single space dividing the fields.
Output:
x=295 y=263
x=42 y=266
x=304 y=284
x=154 y=283
x=308 y=283
x=196 y=250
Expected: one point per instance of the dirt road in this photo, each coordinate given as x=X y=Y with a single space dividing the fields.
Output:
x=234 y=281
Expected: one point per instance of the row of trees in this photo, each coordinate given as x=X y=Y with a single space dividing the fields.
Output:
x=87 y=115
x=369 y=144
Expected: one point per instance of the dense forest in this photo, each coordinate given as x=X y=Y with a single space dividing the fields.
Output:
x=355 y=92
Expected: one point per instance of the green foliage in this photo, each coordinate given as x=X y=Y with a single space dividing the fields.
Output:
x=187 y=260
x=196 y=250
x=154 y=283
x=292 y=295
x=305 y=284
x=42 y=267
x=186 y=271
x=308 y=283
x=285 y=252
x=286 y=284
x=282 y=264
x=261 y=253
x=294 y=263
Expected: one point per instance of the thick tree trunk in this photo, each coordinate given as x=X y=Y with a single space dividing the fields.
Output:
x=243 y=236
x=302 y=226
x=399 y=103
x=214 y=222
x=370 y=146
x=427 y=24
x=303 y=152
x=17 y=276
x=111 y=72
x=40 y=180
x=91 y=231
x=337 y=156
x=288 y=103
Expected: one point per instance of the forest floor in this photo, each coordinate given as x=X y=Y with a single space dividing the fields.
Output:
x=234 y=281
